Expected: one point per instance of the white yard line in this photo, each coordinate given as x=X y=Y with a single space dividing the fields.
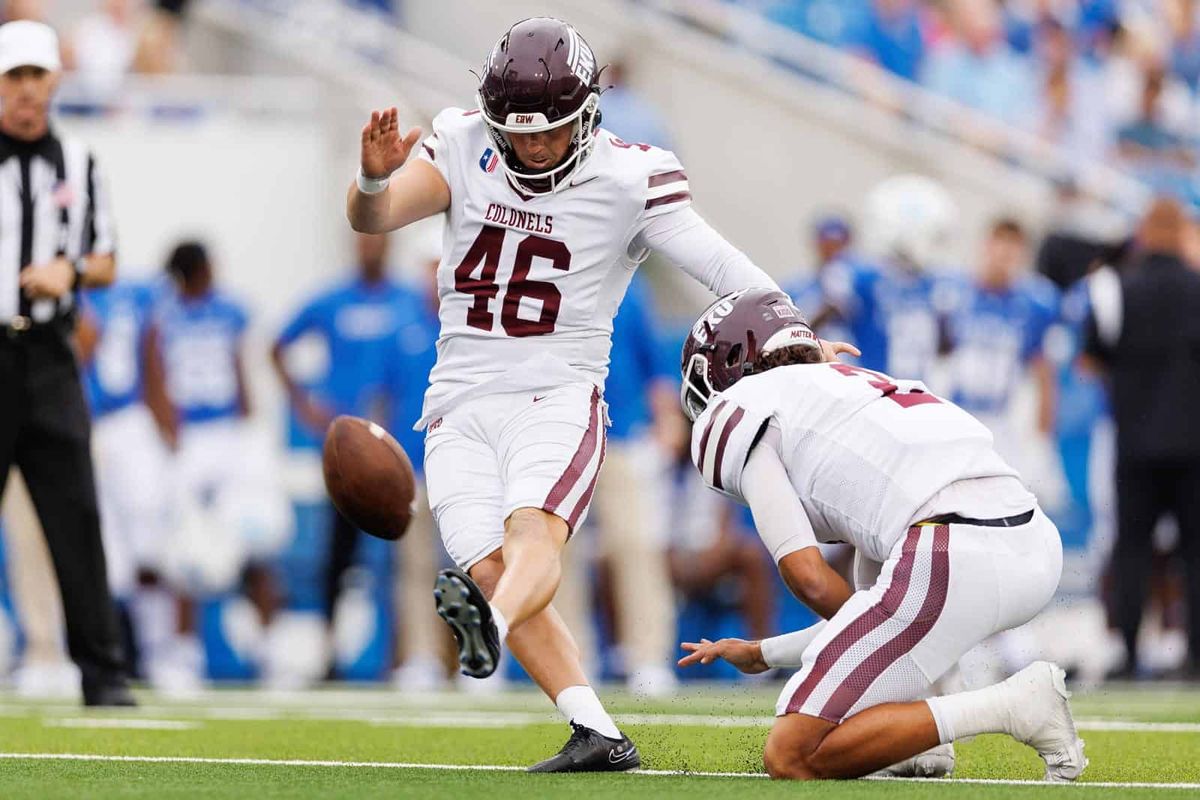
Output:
x=271 y=762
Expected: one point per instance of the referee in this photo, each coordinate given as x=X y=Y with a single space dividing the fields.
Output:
x=55 y=237
x=1144 y=330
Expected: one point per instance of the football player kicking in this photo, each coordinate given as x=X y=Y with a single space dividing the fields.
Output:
x=951 y=548
x=548 y=215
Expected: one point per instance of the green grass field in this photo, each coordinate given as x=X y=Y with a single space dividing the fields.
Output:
x=350 y=743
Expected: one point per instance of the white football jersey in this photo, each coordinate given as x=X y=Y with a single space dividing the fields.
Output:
x=864 y=452
x=529 y=285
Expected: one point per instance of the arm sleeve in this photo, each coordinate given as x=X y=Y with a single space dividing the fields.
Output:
x=99 y=235
x=779 y=517
x=788 y=649
x=683 y=237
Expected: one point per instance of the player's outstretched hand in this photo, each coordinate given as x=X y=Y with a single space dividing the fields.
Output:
x=834 y=349
x=746 y=656
x=383 y=150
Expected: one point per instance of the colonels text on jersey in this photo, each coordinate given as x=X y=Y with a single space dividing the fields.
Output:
x=868 y=455
x=529 y=284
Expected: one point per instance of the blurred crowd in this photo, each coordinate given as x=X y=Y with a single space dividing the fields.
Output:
x=1107 y=80
x=114 y=40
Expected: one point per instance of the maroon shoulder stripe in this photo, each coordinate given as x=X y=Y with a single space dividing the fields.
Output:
x=667 y=177
x=429 y=150
x=586 y=497
x=471 y=113
x=707 y=433
x=734 y=419
x=868 y=621
x=583 y=454
x=668 y=198
x=866 y=673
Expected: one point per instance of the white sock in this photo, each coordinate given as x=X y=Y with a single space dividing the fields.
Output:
x=501 y=623
x=579 y=704
x=970 y=713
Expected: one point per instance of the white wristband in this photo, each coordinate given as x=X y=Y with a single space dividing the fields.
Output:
x=371 y=185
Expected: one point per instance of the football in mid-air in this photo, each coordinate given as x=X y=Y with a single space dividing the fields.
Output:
x=369 y=477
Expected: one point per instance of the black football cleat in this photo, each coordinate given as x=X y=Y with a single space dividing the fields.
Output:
x=114 y=694
x=462 y=604
x=590 y=751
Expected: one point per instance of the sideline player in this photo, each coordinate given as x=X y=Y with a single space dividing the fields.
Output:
x=548 y=217
x=130 y=455
x=951 y=548
x=894 y=304
x=996 y=332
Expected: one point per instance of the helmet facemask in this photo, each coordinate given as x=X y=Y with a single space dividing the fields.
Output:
x=697 y=389
x=585 y=120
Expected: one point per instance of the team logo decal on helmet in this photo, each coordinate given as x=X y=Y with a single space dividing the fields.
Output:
x=730 y=338
x=539 y=76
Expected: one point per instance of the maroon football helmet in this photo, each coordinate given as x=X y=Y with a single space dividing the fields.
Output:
x=731 y=337
x=540 y=75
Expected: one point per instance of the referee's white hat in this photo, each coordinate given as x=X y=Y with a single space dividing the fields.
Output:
x=25 y=43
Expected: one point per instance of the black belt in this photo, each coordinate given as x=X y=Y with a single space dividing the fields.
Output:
x=16 y=326
x=21 y=326
x=1002 y=522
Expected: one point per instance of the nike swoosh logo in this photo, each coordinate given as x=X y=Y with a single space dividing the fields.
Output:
x=619 y=758
x=537 y=398
x=581 y=183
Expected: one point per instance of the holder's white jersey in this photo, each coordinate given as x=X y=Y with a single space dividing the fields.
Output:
x=529 y=285
x=865 y=453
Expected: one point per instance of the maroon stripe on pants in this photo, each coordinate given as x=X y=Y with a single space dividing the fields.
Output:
x=857 y=682
x=734 y=419
x=583 y=454
x=586 y=497
x=707 y=433
x=868 y=621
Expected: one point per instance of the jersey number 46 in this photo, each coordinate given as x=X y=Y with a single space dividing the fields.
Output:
x=485 y=250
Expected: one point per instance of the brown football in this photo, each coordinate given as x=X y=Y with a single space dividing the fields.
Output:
x=369 y=477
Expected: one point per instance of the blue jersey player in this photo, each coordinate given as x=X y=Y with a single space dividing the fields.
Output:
x=128 y=451
x=232 y=515
x=895 y=308
x=997 y=330
x=832 y=239
x=198 y=332
x=357 y=322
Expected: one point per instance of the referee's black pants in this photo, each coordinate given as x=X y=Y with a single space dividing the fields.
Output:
x=45 y=430
x=1146 y=490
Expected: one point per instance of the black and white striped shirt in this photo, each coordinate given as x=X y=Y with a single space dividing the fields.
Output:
x=52 y=203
